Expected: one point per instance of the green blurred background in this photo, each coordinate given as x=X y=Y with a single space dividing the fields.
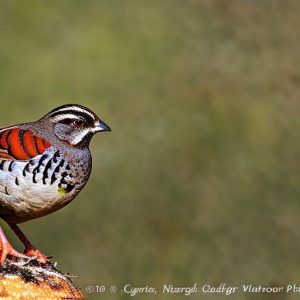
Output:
x=199 y=179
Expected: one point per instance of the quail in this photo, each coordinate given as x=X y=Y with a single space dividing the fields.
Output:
x=43 y=166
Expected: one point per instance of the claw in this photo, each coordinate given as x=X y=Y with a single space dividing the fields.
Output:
x=33 y=252
x=30 y=250
x=9 y=250
x=6 y=249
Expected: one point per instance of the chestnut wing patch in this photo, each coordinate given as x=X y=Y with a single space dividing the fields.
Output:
x=16 y=143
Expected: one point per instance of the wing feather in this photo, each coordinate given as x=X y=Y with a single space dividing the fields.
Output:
x=20 y=144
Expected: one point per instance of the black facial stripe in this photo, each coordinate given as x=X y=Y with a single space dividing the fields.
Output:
x=85 y=116
x=69 y=120
x=85 y=139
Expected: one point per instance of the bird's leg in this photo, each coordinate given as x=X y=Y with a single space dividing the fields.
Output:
x=6 y=248
x=30 y=250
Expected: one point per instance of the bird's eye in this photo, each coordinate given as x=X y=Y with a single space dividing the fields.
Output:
x=78 y=124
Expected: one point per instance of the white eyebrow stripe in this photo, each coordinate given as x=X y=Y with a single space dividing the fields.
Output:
x=80 y=136
x=65 y=117
x=75 y=108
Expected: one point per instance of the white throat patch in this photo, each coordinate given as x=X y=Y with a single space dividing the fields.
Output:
x=80 y=136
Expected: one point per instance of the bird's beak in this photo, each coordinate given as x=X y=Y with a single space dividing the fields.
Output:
x=101 y=126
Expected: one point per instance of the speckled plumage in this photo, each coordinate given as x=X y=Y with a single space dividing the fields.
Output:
x=36 y=187
x=46 y=163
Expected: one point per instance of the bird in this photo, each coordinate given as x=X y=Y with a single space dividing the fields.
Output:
x=44 y=165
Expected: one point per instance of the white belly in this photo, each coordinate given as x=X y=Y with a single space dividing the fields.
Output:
x=29 y=194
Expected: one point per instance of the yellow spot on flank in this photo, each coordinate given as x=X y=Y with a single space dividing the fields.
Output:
x=62 y=191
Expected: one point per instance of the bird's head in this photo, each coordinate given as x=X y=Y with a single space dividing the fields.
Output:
x=75 y=124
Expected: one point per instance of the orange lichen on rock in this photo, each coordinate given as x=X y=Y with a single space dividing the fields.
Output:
x=28 y=279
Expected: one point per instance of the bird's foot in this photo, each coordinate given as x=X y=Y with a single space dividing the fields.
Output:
x=6 y=249
x=33 y=252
